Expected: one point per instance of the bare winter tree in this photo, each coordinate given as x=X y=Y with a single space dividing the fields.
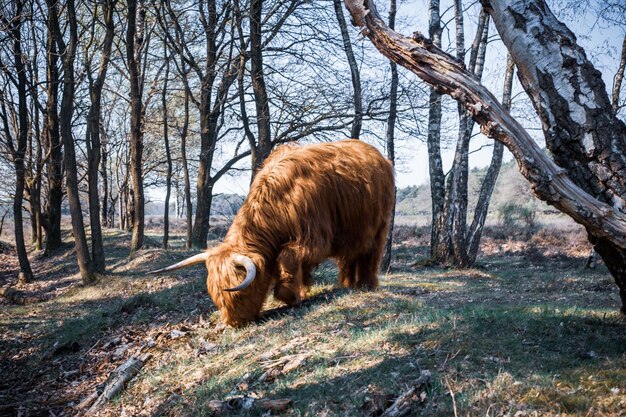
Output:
x=16 y=141
x=586 y=179
x=135 y=31
x=357 y=122
x=93 y=141
x=66 y=112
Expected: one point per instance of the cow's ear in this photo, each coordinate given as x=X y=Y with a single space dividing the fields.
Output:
x=246 y=262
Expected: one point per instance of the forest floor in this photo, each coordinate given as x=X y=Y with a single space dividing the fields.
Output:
x=527 y=332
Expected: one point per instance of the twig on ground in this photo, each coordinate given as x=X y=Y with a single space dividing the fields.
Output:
x=116 y=382
x=403 y=405
x=451 y=395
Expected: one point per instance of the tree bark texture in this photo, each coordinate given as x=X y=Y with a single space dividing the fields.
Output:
x=53 y=145
x=619 y=78
x=168 y=154
x=601 y=145
x=433 y=142
x=453 y=246
x=489 y=182
x=134 y=40
x=186 y=182
x=85 y=264
x=19 y=151
x=94 y=147
x=264 y=137
x=355 y=132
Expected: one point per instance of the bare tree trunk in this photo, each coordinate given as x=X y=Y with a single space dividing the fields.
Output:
x=390 y=139
x=19 y=152
x=94 y=147
x=486 y=189
x=85 y=263
x=619 y=77
x=264 y=138
x=54 y=146
x=106 y=184
x=546 y=61
x=453 y=245
x=168 y=153
x=187 y=183
x=134 y=40
x=433 y=142
x=357 y=122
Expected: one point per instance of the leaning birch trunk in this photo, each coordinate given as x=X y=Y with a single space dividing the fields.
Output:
x=600 y=148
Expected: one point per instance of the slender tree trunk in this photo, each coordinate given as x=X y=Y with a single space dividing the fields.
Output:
x=134 y=38
x=486 y=189
x=453 y=248
x=85 y=263
x=94 y=147
x=433 y=142
x=186 y=181
x=208 y=135
x=106 y=185
x=264 y=139
x=168 y=154
x=390 y=139
x=357 y=122
x=19 y=153
x=54 y=146
x=619 y=77
x=33 y=183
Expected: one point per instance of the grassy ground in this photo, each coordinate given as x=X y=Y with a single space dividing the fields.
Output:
x=527 y=332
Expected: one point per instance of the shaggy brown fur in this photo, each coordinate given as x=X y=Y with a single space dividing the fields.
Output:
x=307 y=204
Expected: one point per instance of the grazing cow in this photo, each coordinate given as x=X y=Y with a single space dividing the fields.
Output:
x=307 y=204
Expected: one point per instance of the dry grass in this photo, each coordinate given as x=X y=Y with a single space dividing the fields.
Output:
x=526 y=333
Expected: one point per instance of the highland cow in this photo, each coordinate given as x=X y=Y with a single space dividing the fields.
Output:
x=307 y=204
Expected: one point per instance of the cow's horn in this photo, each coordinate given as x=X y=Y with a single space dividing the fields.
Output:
x=193 y=260
x=250 y=271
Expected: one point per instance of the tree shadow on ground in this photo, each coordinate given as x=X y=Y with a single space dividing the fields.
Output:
x=546 y=352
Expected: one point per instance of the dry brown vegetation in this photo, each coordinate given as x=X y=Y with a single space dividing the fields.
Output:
x=526 y=332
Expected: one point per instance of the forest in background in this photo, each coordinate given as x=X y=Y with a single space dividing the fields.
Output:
x=104 y=103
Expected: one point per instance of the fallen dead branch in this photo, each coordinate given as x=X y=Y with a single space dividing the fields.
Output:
x=114 y=384
x=20 y=297
x=404 y=404
x=237 y=404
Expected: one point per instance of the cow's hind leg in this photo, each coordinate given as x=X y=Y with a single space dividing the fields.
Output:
x=289 y=287
x=347 y=272
x=369 y=262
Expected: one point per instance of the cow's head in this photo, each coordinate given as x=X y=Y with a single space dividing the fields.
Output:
x=234 y=283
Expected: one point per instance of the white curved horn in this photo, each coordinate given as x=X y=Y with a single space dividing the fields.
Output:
x=193 y=260
x=250 y=271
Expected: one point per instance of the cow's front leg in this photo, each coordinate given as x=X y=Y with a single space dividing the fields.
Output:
x=289 y=286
